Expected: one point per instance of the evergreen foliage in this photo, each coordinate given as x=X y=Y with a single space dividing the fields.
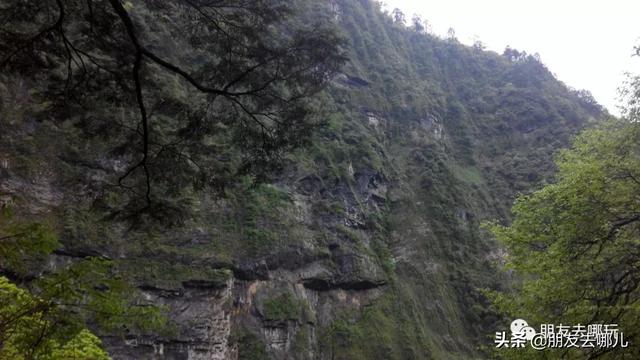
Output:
x=170 y=96
x=46 y=317
x=416 y=141
x=574 y=243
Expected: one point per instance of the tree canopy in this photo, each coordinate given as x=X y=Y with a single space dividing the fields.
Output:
x=576 y=242
x=188 y=93
x=45 y=310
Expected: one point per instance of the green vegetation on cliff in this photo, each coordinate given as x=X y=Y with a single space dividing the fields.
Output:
x=364 y=244
x=459 y=132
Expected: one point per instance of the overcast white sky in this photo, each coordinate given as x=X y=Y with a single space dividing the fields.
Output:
x=587 y=44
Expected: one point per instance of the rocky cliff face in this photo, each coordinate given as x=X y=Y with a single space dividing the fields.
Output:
x=367 y=245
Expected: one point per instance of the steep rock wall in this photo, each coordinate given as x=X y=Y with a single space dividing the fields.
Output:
x=367 y=245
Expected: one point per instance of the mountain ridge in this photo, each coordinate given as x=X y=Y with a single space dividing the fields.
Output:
x=366 y=245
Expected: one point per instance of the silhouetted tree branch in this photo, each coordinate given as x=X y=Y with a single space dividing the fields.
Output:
x=249 y=67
